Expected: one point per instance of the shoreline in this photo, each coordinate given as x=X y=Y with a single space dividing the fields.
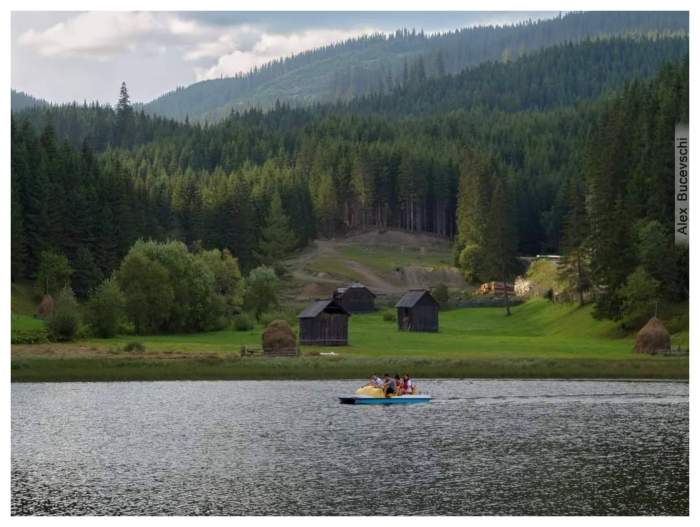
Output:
x=121 y=369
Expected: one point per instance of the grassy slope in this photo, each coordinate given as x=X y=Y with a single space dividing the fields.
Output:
x=22 y=300
x=23 y=304
x=539 y=340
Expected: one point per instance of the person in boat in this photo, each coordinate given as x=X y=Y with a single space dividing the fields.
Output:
x=399 y=384
x=408 y=386
x=389 y=385
x=376 y=382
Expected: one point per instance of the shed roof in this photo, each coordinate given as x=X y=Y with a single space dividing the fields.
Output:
x=330 y=306
x=412 y=297
x=354 y=285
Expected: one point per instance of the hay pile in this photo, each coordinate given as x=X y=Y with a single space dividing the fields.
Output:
x=653 y=338
x=279 y=339
x=46 y=306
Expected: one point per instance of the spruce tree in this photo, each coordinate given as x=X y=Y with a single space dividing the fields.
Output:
x=500 y=241
x=125 y=118
x=86 y=274
x=278 y=238
x=574 y=270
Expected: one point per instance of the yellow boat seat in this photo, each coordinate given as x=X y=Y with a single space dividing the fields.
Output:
x=371 y=391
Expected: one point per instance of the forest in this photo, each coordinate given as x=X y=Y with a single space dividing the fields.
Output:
x=564 y=150
x=381 y=63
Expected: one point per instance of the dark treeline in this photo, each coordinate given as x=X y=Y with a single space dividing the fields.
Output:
x=558 y=76
x=625 y=231
x=614 y=209
x=260 y=179
x=381 y=63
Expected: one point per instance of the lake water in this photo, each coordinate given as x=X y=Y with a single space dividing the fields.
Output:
x=481 y=447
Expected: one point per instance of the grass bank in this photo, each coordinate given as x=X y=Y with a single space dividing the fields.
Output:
x=540 y=340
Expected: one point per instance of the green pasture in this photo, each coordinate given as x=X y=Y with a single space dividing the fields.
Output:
x=540 y=339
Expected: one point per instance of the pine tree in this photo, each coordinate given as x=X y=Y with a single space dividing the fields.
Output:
x=125 y=118
x=500 y=243
x=473 y=202
x=278 y=238
x=18 y=241
x=574 y=270
x=86 y=274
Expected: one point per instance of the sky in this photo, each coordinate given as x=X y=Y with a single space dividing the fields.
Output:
x=85 y=56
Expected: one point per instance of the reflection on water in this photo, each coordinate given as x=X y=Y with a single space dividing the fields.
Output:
x=249 y=448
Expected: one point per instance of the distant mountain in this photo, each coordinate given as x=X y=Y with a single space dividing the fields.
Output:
x=559 y=76
x=20 y=101
x=381 y=63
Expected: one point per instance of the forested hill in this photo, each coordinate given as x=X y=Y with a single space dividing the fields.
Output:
x=558 y=76
x=381 y=63
x=555 y=77
x=582 y=175
x=20 y=101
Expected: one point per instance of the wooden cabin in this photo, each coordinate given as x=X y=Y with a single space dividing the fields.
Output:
x=417 y=311
x=355 y=298
x=324 y=323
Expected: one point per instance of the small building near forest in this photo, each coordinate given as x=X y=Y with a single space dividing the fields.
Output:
x=417 y=311
x=355 y=298
x=324 y=323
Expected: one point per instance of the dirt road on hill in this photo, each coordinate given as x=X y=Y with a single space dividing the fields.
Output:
x=341 y=269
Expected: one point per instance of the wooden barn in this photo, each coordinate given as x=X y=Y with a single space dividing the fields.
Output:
x=324 y=323
x=417 y=311
x=356 y=298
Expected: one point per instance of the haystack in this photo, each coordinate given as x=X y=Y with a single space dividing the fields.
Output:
x=46 y=306
x=653 y=338
x=279 y=339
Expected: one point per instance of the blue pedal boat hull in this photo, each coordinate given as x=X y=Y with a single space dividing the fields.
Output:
x=403 y=399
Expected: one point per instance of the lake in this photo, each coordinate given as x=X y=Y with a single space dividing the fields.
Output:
x=482 y=447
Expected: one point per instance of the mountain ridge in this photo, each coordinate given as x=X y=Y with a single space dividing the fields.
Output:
x=378 y=63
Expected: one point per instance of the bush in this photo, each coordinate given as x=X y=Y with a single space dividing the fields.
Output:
x=105 y=309
x=168 y=288
x=441 y=295
x=639 y=297
x=471 y=262
x=261 y=290
x=227 y=277
x=243 y=322
x=63 y=324
x=29 y=336
x=389 y=316
x=134 y=346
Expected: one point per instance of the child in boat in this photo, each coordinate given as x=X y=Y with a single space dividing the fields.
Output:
x=376 y=382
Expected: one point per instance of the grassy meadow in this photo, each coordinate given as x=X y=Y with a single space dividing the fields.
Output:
x=540 y=340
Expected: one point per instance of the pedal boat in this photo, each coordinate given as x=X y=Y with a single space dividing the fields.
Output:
x=371 y=395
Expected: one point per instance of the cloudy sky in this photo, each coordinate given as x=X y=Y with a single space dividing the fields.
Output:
x=81 y=56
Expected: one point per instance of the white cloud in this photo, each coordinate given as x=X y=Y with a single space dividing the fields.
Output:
x=269 y=46
x=97 y=34
x=213 y=50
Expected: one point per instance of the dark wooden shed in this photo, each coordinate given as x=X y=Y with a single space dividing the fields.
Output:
x=324 y=323
x=355 y=298
x=417 y=311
